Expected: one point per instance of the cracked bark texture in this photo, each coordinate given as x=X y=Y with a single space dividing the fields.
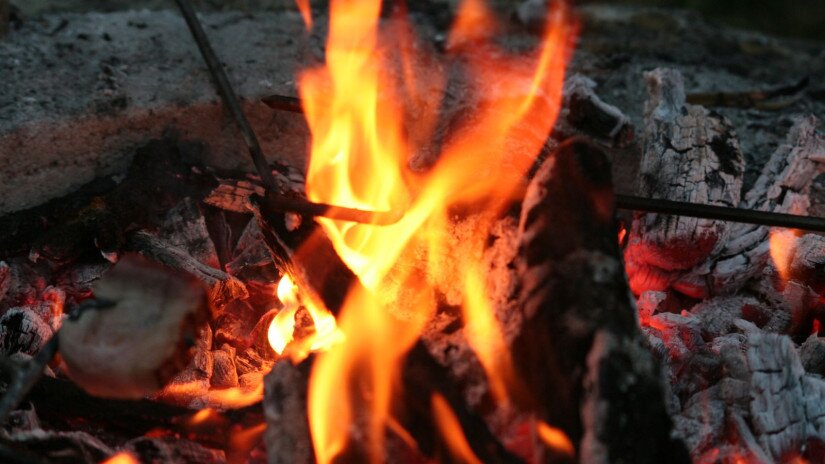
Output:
x=783 y=187
x=690 y=154
x=758 y=403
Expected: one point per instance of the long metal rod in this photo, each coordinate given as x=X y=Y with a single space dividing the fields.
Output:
x=722 y=213
x=230 y=100
x=626 y=202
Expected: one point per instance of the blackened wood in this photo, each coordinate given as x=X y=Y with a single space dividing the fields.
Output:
x=580 y=356
x=588 y=114
x=307 y=255
x=310 y=259
x=96 y=217
x=223 y=288
x=25 y=378
x=59 y=403
x=285 y=408
x=422 y=377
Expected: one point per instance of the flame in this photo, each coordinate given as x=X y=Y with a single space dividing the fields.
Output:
x=370 y=109
x=306 y=12
x=281 y=329
x=782 y=249
x=203 y=416
x=122 y=458
x=555 y=439
x=282 y=326
x=450 y=429
x=484 y=335
x=243 y=440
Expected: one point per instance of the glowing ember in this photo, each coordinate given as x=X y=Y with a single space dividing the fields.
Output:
x=356 y=106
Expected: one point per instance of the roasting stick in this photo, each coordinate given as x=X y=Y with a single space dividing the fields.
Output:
x=230 y=100
x=625 y=202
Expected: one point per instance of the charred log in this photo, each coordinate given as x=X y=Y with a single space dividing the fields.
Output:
x=580 y=354
x=285 y=408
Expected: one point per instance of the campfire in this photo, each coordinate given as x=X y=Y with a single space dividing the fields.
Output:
x=451 y=276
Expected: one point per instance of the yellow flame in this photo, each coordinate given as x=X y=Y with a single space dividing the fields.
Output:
x=369 y=110
x=450 y=429
x=281 y=330
x=122 y=458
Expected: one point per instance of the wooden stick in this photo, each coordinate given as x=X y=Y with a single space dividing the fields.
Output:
x=230 y=100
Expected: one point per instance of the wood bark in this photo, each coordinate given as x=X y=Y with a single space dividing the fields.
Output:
x=783 y=187
x=690 y=154
x=580 y=355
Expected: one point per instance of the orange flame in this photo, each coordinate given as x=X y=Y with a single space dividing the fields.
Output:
x=555 y=439
x=306 y=12
x=484 y=335
x=451 y=430
x=203 y=416
x=782 y=249
x=369 y=112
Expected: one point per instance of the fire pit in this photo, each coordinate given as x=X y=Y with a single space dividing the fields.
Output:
x=452 y=248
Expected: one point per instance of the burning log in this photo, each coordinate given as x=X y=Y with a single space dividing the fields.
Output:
x=690 y=154
x=306 y=255
x=583 y=361
x=135 y=347
x=285 y=408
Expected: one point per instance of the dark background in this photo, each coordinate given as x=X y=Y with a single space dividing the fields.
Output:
x=789 y=18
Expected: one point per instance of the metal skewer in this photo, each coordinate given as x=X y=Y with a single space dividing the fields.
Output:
x=625 y=202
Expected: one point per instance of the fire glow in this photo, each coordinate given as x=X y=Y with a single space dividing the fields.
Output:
x=371 y=108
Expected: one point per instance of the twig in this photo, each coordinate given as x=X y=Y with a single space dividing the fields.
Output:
x=23 y=380
x=626 y=202
x=230 y=100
